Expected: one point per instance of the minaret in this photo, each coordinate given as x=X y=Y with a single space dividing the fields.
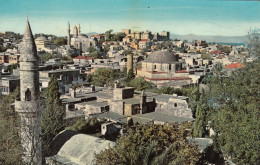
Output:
x=68 y=34
x=29 y=105
x=79 y=31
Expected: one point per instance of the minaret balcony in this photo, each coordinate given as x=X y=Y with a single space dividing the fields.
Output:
x=32 y=107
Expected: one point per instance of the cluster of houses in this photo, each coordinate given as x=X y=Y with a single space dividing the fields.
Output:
x=164 y=67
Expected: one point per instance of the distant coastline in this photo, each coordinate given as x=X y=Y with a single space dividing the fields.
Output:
x=233 y=44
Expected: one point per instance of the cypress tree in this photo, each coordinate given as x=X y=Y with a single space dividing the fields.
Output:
x=52 y=117
x=201 y=117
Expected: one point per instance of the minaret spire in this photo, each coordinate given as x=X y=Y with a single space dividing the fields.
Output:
x=79 y=31
x=28 y=51
x=29 y=106
x=68 y=34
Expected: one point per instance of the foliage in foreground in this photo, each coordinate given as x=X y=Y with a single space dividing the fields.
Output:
x=52 y=117
x=151 y=144
x=236 y=114
x=89 y=126
x=10 y=142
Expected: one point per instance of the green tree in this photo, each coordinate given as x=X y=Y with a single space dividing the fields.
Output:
x=253 y=40
x=206 y=56
x=10 y=148
x=201 y=117
x=52 y=117
x=46 y=56
x=118 y=36
x=140 y=84
x=106 y=48
x=127 y=52
x=235 y=114
x=91 y=49
x=108 y=34
x=93 y=52
x=130 y=75
x=89 y=126
x=95 y=55
x=151 y=144
x=104 y=76
x=60 y=41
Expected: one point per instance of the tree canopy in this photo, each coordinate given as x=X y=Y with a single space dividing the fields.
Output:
x=151 y=144
x=139 y=84
x=10 y=148
x=52 y=117
x=105 y=76
x=60 y=41
x=114 y=37
x=234 y=112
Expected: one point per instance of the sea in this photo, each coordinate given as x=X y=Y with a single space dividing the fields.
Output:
x=233 y=44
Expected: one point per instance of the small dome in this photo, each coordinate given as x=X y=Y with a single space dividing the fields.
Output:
x=41 y=38
x=162 y=56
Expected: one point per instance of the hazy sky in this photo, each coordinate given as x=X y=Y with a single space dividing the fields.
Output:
x=202 y=17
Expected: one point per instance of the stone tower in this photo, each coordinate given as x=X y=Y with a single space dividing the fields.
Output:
x=79 y=31
x=29 y=105
x=68 y=34
x=129 y=65
x=142 y=102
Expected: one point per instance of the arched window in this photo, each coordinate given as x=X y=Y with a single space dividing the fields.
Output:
x=28 y=95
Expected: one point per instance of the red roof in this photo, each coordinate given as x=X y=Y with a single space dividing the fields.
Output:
x=216 y=52
x=171 y=78
x=83 y=58
x=234 y=65
x=97 y=35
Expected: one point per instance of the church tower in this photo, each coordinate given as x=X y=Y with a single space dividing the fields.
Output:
x=75 y=31
x=29 y=105
x=79 y=31
x=68 y=34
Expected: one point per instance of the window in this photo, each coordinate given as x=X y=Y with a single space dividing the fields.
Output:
x=154 y=67
x=175 y=104
x=170 y=67
x=28 y=95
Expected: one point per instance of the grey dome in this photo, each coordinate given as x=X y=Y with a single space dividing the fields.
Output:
x=161 y=56
x=41 y=38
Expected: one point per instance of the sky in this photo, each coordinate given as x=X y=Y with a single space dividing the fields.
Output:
x=200 y=17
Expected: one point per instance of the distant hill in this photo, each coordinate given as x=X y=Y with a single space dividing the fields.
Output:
x=91 y=33
x=208 y=38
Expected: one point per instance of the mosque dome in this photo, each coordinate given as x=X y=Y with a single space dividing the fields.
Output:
x=41 y=38
x=162 y=56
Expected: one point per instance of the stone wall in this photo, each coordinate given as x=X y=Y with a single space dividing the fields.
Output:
x=123 y=93
x=117 y=107
x=176 y=107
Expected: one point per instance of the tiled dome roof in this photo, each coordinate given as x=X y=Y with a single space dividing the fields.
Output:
x=42 y=38
x=161 y=56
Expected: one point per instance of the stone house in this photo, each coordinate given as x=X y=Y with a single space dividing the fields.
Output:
x=66 y=78
x=8 y=84
x=82 y=60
